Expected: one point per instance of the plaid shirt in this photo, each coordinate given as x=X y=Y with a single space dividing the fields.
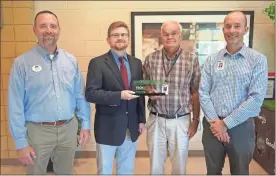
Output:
x=183 y=79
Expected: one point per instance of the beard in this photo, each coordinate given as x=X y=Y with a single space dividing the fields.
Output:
x=49 y=40
x=120 y=45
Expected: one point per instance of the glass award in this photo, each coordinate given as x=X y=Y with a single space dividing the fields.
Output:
x=150 y=87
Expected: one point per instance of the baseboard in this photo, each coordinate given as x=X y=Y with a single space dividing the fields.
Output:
x=92 y=154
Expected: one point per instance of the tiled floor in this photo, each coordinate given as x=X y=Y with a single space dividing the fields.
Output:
x=196 y=165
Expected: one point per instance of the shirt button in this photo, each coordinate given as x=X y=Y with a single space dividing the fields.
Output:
x=57 y=95
x=126 y=112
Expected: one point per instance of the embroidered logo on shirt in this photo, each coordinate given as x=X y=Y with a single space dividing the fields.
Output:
x=36 y=68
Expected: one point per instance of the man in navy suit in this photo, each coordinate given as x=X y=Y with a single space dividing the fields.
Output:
x=120 y=115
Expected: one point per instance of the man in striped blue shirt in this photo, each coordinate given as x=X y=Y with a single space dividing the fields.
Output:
x=232 y=89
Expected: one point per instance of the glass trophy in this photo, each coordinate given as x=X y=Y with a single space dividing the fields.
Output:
x=150 y=87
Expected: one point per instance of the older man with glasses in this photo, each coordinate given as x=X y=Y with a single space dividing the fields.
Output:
x=169 y=126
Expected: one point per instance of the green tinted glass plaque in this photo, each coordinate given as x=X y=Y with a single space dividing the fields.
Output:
x=150 y=87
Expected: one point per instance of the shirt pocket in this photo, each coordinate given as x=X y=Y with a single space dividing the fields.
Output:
x=67 y=77
x=220 y=76
x=34 y=80
x=185 y=79
x=243 y=78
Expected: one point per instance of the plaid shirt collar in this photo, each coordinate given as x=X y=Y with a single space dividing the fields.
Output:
x=165 y=54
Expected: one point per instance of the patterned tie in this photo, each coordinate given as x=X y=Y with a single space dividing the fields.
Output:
x=123 y=72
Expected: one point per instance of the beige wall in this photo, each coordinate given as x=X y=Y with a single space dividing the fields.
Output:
x=84 y=26
x=16 y=37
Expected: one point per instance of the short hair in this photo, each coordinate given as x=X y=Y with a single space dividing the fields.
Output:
x=237 y=11
x=115 y=25
x=169 y=22
x=44 y=12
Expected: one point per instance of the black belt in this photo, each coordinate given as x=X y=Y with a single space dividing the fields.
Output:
x=169 y=116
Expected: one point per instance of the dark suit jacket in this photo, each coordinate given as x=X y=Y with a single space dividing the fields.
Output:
x=103 y=87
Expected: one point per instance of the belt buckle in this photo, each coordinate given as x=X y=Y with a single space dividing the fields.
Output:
x=170 y=116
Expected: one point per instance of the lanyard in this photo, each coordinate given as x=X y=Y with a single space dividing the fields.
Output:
x=175 y=59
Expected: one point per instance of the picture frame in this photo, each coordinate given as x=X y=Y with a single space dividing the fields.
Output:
x=202 y=31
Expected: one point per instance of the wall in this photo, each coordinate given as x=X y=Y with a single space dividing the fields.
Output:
x=16 y=38
x=83 y=33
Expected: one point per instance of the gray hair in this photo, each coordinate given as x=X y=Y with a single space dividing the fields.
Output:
x=171 y=22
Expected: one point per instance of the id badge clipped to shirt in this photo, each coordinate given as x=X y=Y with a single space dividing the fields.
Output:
x=165 y=89
x=220 y=66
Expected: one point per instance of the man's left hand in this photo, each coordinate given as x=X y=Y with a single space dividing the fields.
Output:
x=218 y=126
x=84 y=137
x=141 y=128
x=192 y=128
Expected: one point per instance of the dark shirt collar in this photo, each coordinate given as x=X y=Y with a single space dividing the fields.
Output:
x=176 y=55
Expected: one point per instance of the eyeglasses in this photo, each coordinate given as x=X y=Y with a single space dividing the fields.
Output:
x=117 y=35
x=174 y=34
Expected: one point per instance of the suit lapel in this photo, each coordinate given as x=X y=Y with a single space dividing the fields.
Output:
x=131 y=65
x=113 y=66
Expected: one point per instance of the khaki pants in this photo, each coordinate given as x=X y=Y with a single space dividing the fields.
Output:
x=57 y=142
x=168 y=135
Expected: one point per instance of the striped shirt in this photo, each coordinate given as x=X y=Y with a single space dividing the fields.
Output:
x=235 y=91
x=183 y=79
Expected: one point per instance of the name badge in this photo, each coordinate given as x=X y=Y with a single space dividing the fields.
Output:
x=165 y=89
x=36 y=68
x=220 y=66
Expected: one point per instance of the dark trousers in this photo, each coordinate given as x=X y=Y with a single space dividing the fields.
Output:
x=240 y=149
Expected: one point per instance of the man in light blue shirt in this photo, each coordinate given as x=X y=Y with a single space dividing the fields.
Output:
x=232 y=89
x=46 y=88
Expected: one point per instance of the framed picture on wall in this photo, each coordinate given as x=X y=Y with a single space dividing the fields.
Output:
x=202 y=31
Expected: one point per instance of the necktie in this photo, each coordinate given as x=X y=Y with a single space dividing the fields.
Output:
x=123 y=72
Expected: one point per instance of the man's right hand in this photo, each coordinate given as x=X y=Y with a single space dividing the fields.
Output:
x=26 y=155
x=128 y=95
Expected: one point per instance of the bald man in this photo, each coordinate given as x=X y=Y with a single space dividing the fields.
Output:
x=169 y=126
x=232 y=89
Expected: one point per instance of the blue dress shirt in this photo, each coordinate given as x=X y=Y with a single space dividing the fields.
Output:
x=116 y=57
x=45 y=88
x=233 y=86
